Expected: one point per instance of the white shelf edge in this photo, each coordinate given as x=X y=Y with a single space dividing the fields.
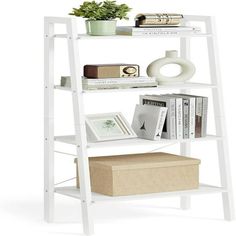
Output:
x=96 y=197
x=159 y=87
x=70 y=139
x=62 y=88
x=85 y=36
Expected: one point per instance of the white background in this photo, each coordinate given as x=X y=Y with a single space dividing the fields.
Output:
x=21 y=167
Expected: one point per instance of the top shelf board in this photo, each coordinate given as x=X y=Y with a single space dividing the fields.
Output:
x=179 y=35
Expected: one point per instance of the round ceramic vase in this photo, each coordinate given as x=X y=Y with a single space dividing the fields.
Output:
x=171 y=57
x=101 y=27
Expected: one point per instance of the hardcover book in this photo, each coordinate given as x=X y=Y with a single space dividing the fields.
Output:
x=116 y=83
x=201 y=108
x=169 y=129
x=148 y=121
x=185 y=118
x=137 y=31
x=191 y=113
x=179 y=114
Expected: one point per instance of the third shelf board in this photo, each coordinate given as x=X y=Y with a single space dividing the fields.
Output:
x=146 y=89
x=70 y=139
x=203 y=189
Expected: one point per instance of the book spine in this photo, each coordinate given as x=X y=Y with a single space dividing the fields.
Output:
x=164 y=29
x=153 y=33
x=118 y=81
x=172 y=118
x=204 y=116
x=179 y=118
x=185 y=118
x=160 y=123
x=198 y=117
x=191 y=117
x=156 y=29
x=157 y=33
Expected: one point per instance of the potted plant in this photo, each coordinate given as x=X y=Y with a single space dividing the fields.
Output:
x=101 y=16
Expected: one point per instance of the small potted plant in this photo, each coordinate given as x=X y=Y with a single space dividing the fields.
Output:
x=101 y=16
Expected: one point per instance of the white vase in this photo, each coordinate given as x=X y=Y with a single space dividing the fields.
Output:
x=187 y=68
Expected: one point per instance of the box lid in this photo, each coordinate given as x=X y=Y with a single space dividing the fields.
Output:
x=141 y=161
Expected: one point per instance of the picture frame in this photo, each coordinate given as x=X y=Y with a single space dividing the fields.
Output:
x=108 y=126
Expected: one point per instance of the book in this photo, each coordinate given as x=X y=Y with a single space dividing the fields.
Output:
x=130 y=30
x=204 y=116
x=185 y=118
x=116 y=83
x=169 y=129
x=198 y=117
x=148 y=121
x=179 y=115
x=201 y=108
x=191 y=114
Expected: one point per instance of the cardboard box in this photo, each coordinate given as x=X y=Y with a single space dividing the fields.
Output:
x=142 y=173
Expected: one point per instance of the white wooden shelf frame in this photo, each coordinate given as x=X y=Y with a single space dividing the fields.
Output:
x=80 y=141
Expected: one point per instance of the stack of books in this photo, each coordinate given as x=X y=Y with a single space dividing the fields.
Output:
x=186 y=116
x=118 y=83
x=153 y=31
x=152 y=24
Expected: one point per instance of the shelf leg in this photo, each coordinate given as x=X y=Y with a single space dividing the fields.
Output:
x=222 y=145
x=185 y=201
x=80 y=128
x=48 y=121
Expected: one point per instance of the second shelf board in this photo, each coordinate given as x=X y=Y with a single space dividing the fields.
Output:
x=70 y=139
x=159 y=87
x=96 y=197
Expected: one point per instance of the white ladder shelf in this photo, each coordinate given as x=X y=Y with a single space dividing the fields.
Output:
x=80 y=141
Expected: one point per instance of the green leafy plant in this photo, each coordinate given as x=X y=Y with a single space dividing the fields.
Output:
x=106 y=10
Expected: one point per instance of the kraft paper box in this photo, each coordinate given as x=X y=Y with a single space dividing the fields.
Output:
x=142 y=173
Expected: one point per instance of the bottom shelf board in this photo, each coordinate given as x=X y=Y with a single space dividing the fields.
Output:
x=96 y=197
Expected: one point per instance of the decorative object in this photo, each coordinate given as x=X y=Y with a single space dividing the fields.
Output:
x=157 y=19
x=187 y=68
x=148 y=121
x=101 y=16
x=108 y=126
x=142 y=173
x=111 y=70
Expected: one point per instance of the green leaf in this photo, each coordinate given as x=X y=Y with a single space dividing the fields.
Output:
x=106 y=10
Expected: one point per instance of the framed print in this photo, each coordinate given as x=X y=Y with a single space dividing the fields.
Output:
x=108 y=126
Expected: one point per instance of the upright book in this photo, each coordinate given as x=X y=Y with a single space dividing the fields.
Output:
x=169 y=129
x=201 y=109
x=179 y=115
x=191 y=113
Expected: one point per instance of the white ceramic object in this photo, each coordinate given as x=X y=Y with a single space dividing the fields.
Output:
x=187 y=68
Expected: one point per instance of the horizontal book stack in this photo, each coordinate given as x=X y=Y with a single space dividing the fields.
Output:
x=186 y=115
x=153 y=31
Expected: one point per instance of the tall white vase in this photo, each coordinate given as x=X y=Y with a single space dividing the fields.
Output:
x=187 y=68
